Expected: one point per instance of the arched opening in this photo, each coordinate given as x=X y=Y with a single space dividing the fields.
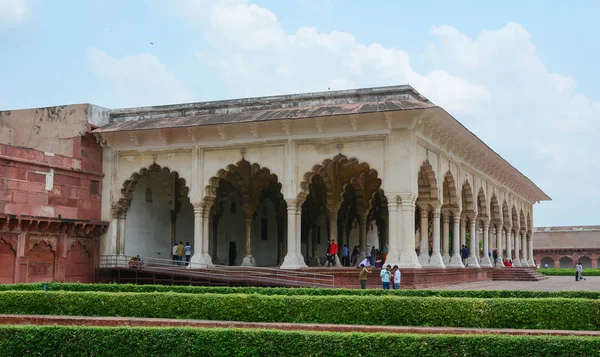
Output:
x=585 y=261
x=549 y=261
x=342 y=200
x=467 y=215
x=41 y=263
x=450 y=209
x=496 y=222
x=7 y=263
x=566 y=262
x=158 y=213
x=426 y=200
x=79 y=264
x=247 y=217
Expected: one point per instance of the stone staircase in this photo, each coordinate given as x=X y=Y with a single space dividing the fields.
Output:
x=517 y=274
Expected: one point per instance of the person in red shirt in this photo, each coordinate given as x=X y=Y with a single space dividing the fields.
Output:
x=333 y=250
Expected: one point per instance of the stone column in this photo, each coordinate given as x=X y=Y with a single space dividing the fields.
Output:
x=314 y=259
x=333 y=232
x=117 y=235
x=486 y=262
x=248 y=258
x=293 y=259
x=473 y=261
x=436 y=257
x=392 y=255
x=406 y=248
x=531 y=261
x=515 y=239
x=524 y=249
x=508 y=244
x=424 y=246
x=463 y=232
x=299 y=233
x=197 y=260
x=455 y=260
x=362 y=234
x=499 y=246
x=446 y=238
x=206 y=233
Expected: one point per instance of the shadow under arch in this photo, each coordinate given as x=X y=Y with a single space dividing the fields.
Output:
x=180 y=190
x=345 y=188
x=249 y=229
x=157 y=210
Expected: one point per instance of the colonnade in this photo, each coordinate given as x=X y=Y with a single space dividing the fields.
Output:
x=445 y=251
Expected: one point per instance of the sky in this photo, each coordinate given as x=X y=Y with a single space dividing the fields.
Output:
x=521 y=75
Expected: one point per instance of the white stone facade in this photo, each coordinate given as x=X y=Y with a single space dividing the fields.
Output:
x=269 y=180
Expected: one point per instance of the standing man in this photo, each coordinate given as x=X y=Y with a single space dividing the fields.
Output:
x=578 y=271
x=464 y=254
x=333 y=250
x=495 y=255
x=188 y=253
x=180 y=253
x=397 y=277
x=386 y=276
x=345 y=256
x=363 y=276
x=175 y=257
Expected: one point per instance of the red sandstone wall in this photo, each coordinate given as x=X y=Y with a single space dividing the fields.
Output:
x=49 y=254
x=76 y=192
x=37 y=257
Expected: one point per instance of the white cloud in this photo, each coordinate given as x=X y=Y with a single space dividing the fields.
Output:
x=136 y=80
x=257 y=57
x=495 y=83
x=539 y=119
x=13 y=11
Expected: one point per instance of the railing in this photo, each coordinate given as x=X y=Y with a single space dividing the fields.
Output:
x=272 y=276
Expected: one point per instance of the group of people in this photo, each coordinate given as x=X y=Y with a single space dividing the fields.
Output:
x=179 y=251
x=375 y=257
x=136 y=262
x=389 y=276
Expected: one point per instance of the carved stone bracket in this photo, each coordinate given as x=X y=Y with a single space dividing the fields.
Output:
x=48 y=225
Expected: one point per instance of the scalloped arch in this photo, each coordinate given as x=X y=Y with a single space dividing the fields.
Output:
x=181 y=189
x=321 y=170
x=495 y=212
x=449 y=194
x=482 y=207
x=249 y=178
x=468 y=204
x=427 y=183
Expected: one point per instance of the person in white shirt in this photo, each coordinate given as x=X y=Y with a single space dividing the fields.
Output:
x=397 y=277
x=188 y=253
x=175 y=257
x=579 y=272
x=366 y=262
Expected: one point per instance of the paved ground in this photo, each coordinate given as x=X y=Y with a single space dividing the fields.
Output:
x=553 y=283
x=148 y=322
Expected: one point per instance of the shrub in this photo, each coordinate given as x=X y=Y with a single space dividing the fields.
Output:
x=567 y=314
x=124 y=341
x=486 y=294
x=569 y=271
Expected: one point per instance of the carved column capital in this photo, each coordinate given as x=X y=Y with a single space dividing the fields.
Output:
x=408 y=198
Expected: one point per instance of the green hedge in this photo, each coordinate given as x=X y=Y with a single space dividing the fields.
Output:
x=569 y=271
x=302 y=291
x=567 y=314
x=127 y=342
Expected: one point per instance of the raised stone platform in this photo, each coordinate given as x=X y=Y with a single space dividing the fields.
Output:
x=411 y=278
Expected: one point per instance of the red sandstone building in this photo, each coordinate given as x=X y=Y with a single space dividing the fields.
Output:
x=563 y=247
x=50 y=195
